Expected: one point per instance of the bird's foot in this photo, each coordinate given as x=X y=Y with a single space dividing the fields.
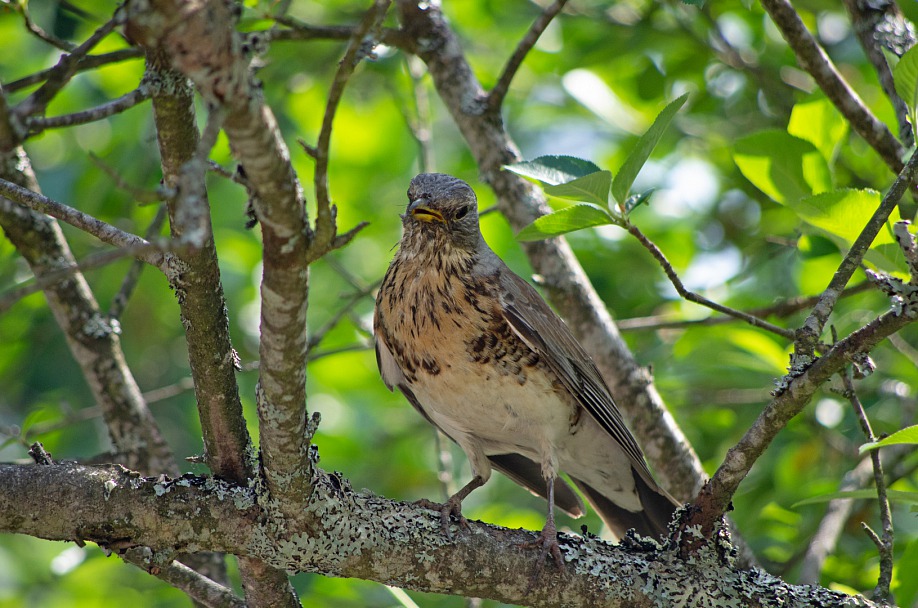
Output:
x=450 y=508
x=547 y=544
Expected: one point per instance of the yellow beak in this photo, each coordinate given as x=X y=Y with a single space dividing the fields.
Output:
x=425 y=214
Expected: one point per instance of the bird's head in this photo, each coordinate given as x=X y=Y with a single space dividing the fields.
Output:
x=442 y=211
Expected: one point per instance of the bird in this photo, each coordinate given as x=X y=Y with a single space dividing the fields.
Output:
x=478 y=352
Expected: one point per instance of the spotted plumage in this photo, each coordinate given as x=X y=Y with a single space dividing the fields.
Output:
x=480 y=355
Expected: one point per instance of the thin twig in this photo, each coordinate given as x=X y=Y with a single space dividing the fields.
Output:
x=116 y=106
x=138 y=194
x=103 y=231
x=342 y=311
x=197 y=586
x=808 y=334
x=499 y=92
x=884 y=544
x=420 y=128
x=325 y=229
x=61 y=74
x=698 y=299
x=780 y=309
x=89 y=62
x=41 y=34
x=813 y=58
x=97 y=260
x=350 y=348
x=133 y=274
x=303 y=31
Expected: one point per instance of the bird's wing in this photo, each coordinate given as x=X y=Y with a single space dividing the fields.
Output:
x=515 y=466
x=542 y=330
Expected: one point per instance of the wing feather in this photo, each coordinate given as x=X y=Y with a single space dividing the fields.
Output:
x=542 y=330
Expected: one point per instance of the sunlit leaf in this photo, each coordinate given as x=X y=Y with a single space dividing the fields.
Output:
x=575 y=217
x=592 y=188
x=820 y=123
x=554 y=170
x=842 y=213
x=905 y=79
x=621 y=185
x=908 y=435
x=784 y=167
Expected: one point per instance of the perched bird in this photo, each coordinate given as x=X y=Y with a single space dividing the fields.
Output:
x=478 y=352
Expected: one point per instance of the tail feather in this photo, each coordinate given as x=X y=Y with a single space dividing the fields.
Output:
x=652 y=520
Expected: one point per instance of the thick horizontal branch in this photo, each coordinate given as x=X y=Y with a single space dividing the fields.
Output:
x=356 y=534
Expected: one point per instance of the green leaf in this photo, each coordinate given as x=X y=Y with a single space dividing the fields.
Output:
x=907 y=435
x=592 y=188
x=575 y=217
x=905 y=79
x=818 y=122
x=641 y=152
x=893 y=495
x=905 y=585
x=842 y=213
x=636 y=200
x=784 y=167
x=554 y=170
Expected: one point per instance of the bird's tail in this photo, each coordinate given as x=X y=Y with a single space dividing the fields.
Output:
x=652 y=520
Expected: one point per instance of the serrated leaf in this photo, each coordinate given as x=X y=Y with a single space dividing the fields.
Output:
x=592 y=188
x=575 y=217
x=641 y=152
x=893 y=495
x=905 y=79
x=907 y=435
x=784 y=167
x=636 y=200
x=553 y=170
x=820 y=123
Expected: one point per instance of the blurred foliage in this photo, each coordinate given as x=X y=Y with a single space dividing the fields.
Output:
x=591 y=86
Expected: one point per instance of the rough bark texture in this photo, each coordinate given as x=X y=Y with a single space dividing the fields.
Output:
x=365 y=536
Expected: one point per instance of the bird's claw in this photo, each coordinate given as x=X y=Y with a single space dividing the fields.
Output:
x=547 y=544
x=448 y=509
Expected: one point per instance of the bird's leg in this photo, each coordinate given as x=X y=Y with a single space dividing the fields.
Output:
x=453 y=506
x=548 y=538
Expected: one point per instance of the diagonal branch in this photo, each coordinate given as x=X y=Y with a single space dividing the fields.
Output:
x=812 y=58
x=715 y=497
x=499 y=92
x=808 y=334
x=324 y=237
x=696 y=298
x=103 y=231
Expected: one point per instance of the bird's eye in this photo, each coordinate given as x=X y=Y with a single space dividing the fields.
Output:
x=462 y=212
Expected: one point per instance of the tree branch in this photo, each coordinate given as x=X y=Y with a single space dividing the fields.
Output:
x=499 y=92
x=795 y=392
x=809 y=333
x=812 y=58
x=103 y=231
x=324 y=238
x=116 y=106
x=89 y=62
x=698 y=299
x=364 y=536
x=884 y=544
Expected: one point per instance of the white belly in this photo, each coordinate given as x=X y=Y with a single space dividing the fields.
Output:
x=487 y=413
